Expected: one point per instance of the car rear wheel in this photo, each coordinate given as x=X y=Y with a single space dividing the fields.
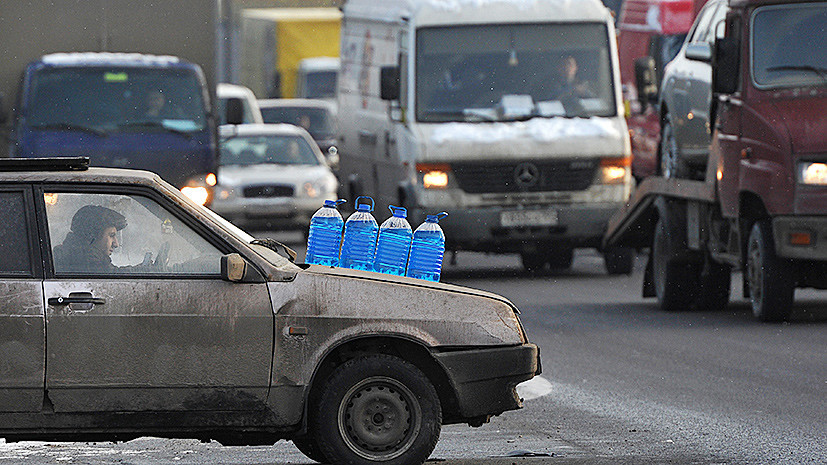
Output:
x=533 y=262
x=619 y=260
x=377 y=409
x=769 y=277
x=675 y=281
x=308 y=446
x=671 y=165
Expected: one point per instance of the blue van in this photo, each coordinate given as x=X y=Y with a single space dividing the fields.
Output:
x=125 y=110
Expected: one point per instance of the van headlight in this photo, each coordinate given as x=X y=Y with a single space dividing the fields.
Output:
x=812 y=173
x=433 y=175
x=199 y=189
x=613 y=170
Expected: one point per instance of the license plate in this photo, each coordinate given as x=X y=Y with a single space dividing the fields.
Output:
x=528 y=218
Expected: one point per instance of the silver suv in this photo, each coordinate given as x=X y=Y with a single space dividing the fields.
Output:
x=127 y=310
x=686 y=97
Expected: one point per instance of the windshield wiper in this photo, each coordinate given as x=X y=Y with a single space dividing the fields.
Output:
x=822 y=72
x=70 y=127
x=154 y=125
x=276 y=247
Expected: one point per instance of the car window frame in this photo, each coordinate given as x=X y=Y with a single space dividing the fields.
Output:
x=119 y=189
x=707 y=12
x=34 y=235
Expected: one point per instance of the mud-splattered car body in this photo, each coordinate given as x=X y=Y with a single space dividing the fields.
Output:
x=244 y=356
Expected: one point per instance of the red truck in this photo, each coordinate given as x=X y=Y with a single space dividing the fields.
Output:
x=649 y=31
x=762 y=207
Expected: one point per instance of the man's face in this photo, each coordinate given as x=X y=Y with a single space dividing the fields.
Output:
x=107 y=241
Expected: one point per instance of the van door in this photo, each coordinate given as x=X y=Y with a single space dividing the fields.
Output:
x=22 y=330
x=147 y=324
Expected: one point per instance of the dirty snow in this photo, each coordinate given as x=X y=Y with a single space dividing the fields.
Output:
x=539 y=129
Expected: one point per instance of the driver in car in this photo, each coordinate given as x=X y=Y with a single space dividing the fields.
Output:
x=93 y=237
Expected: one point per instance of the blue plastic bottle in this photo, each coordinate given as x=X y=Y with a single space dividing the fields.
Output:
x=427 y=249
x=325 y=235
x=394 y=243
x=359 y=243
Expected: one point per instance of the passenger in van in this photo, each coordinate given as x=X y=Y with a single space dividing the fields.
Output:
x=157 y=107
x=568 y=83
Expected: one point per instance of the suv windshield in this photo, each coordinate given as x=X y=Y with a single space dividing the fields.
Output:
x=108 y=99
x=513 y=72
x=789 y=45
x=317 y=121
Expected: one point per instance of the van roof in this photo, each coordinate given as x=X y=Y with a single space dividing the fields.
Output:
x=108 y=59
x=445 y=12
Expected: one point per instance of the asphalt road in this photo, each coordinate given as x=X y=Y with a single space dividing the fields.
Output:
x=622 y=383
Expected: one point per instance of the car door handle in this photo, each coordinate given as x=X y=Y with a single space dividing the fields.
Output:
x=61 y=301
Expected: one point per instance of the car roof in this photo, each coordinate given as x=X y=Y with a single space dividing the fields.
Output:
x=294 y=103
x=256 y=129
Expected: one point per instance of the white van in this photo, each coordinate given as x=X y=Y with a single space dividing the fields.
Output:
x=466 y=107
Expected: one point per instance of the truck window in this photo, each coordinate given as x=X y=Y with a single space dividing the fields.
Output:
x=475 y=73
x=788 y=45
x=14 y=235
x=106 y=99
x=319 y=84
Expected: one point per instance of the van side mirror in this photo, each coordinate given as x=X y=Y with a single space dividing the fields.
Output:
x=725 y=65
x=234 y=111
x=647 y=88
x=389 y=82
x=235 y=269
x=699 y=52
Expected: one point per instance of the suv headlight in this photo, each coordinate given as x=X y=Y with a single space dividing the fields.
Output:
x=812 y=173
x=323 y=187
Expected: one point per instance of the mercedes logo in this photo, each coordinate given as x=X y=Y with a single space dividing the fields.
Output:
x=526 y=175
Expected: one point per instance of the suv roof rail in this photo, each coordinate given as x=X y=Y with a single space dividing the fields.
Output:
x=45 y=164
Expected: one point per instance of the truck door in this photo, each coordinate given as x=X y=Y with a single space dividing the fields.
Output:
x=22 y=331
x=149 y=326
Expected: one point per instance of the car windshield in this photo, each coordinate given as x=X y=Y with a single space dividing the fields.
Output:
x=116 y=98
x=274 y=149
x=789 y=45
x=512 y=72
x=317 y=121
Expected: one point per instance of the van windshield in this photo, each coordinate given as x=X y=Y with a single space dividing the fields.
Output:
x=789 y=45
x=513 y=72
x=103 y=100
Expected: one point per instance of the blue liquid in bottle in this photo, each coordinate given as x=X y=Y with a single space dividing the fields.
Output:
x=394 y=243
x=325 y=235
x=359 y=243
x=427 y=249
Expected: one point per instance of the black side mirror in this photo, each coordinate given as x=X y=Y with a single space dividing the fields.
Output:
x=235 y=269
x=647 y=87
x=725 y=65
x=234 y=111
x=389 y=82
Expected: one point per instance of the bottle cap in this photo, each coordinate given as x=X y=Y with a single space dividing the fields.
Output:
x=334 y=203
x=399 y=212
x=435 y=218
x=364 y=207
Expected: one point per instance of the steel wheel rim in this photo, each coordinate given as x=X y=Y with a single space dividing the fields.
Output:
x=379 y=418
x=755 y=273
x=669 y=153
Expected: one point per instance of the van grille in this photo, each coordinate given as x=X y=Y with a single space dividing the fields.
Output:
x=525 y=176
x=268 y=190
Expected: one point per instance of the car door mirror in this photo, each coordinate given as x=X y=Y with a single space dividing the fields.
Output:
x=699 y=52
x=389 y=82
x=234 y=268
x=726 y=61
x=234 y=111
x=647 y=88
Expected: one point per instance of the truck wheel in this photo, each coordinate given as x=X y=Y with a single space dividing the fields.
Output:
x=619 y=260
x=308 y=446
x=771 y=285
x=671 y=166
x=533 y=261
x=560 y=259
x=675 y=281
x=377 y=409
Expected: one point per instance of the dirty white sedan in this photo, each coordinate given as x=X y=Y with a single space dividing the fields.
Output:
x=126 y=310
x=272 y=176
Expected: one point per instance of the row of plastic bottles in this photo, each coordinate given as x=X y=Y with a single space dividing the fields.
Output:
x=391 y=248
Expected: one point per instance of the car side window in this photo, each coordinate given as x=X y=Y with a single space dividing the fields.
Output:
x=14 y=235
x=108 y=234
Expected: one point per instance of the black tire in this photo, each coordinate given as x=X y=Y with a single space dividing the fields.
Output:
x=675 y=281
x=769 y=277
x=308 y=446
x=619 y=260
x=377 y=409
x=669 y=162
x=560 y=258
x=533 y=262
